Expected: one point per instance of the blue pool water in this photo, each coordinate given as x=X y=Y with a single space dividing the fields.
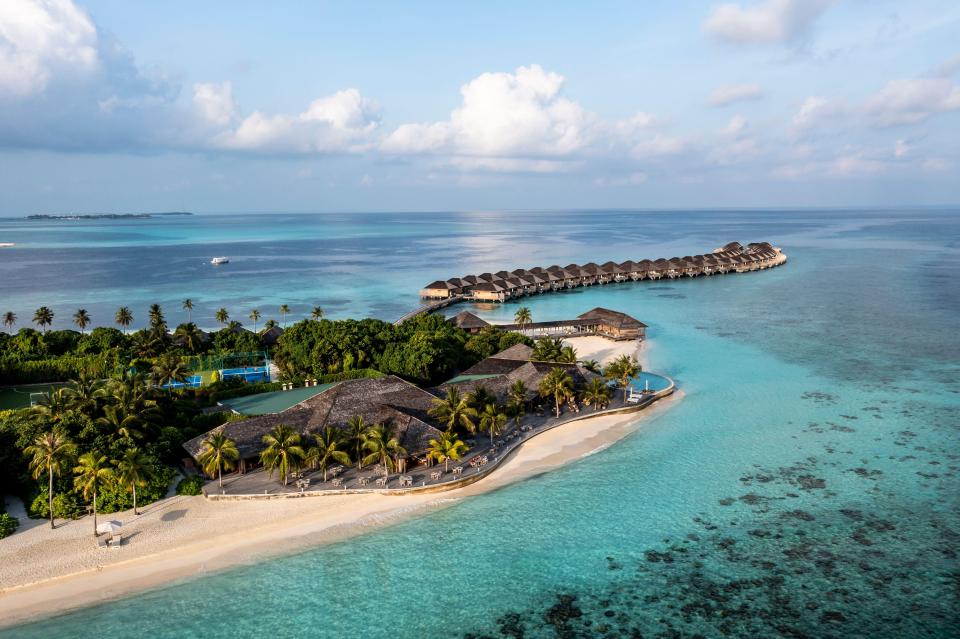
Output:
x=806 y=485
x=649 y=381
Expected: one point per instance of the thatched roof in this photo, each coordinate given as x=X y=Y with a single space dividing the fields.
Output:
x=517 y=351
x=385 y=400
x=269 y=336
x=467 y=321
x=615 y=319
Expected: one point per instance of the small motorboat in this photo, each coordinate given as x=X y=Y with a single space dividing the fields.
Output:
x=219 y=260
x=6 y=244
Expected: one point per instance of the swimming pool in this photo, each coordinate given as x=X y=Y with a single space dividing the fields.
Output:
x=649 y=381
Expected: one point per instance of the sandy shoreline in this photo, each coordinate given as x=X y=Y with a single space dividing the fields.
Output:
x=50 y=571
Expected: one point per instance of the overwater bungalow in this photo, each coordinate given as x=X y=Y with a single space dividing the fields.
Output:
x=504 y=285
x=469 y=322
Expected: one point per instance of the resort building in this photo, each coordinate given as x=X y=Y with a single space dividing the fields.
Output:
x=503 y=285
x=500 y=371
x=599 y=321
x=386 y=400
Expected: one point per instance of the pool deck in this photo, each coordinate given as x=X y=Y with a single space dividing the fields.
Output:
x=259 y=485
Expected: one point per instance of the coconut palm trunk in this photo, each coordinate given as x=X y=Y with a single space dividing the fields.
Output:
x=134 y=484
x=94 y=512
x=50 y=494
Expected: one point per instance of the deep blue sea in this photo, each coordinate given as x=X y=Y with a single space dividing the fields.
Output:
x=805 y=486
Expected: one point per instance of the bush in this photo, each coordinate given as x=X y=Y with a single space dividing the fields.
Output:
x=192 y=485
x=8 y=524
x=116 y=497
x=66 y=505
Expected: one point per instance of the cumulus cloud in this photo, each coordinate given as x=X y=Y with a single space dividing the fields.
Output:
x=735 y=127
x=340 y=122
x=769 y=22
x=215 y=102
x=913 y=100
x=815 y=111
x=40 y=38
x=722 y=96
x=502 y=115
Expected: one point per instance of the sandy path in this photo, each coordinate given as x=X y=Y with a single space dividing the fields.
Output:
x=47 y=571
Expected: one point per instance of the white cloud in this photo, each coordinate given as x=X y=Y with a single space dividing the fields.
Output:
x=768 y=22
x=815 y=111
x=936 y=164
x=722 y=96
x=502 y=115
x=735 y=127
x=901 y=148
x=512 y=165
x=855 y=165
x=913 y=100
x=344 y=121
x=215 y=102
x=40 y=38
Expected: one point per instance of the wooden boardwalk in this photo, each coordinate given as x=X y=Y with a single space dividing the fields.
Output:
x=429 y=308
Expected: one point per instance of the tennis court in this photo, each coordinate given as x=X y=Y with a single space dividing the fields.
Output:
x=14 y=397
x=278 y=401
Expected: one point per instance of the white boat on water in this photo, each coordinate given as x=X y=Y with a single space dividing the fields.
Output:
x=6 y=244
x=219 y=260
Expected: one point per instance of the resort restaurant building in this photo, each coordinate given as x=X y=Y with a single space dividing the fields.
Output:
x=387 y=400
x=599 y=321
x=504 y=285
x=500 y=371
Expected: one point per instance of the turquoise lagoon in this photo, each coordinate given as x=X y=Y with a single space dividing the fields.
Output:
x=805 y=485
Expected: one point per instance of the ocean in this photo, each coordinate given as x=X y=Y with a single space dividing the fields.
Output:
x=806 y=485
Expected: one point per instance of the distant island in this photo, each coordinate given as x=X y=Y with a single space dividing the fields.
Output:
x=105 y=216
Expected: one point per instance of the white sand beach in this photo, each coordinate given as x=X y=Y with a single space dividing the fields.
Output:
x=47 y=571
x=604 y=350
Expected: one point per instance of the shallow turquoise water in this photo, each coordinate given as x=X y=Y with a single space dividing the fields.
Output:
x=806 y=485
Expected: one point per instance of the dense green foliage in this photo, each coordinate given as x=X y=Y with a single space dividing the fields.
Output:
x=192 y=485
x=426 y=349
x=8 y=524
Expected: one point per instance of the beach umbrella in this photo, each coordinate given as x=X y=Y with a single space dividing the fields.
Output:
x=109 y=527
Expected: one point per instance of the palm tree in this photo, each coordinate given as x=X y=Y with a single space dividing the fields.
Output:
x=255 y=317
x=10 y=320
x=329 y=442
x=84 y=391
x=596 y=393
x=518 y=392
x=92 y=472
x=54 y=404
x=384 y=447
x=82 y=319
x=168 y=369
x=124 y=424
x=548 y=350
x=480 y=397
x=43 y=317
x=134 y=469
x=284 y=309
x=522 y=317
x=283 y=452
x=222 y=316
x=190 y=336
x=568 y=354
x=357 y=434
x=453 y=410
x=270 y=323
x=623 y=369
x=157 y=321
x=50 y=453
x=492 y=419
x=557 y=384
x=188 y=307
x=317 y=313
x=448 y=447
x=592 y=365
x=123 y=317
x=219 y=453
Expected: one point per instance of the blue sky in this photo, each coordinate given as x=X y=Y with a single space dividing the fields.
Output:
x=311 y=106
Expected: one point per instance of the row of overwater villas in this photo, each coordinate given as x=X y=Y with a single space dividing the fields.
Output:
x=502 y=285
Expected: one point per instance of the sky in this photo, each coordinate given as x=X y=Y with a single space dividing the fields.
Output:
x=232 y=107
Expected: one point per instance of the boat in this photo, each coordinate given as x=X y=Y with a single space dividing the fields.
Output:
x=6 y=244
x=219 y=260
